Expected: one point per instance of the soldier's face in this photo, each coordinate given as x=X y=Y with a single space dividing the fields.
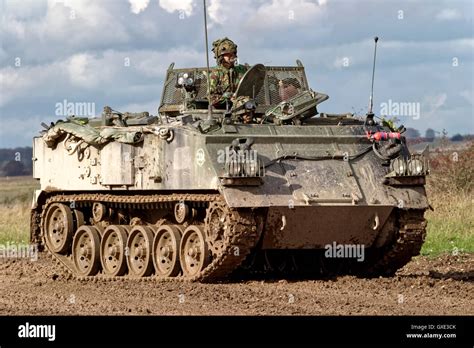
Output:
x=287 y=91
x=229 y=58
x=247 y=118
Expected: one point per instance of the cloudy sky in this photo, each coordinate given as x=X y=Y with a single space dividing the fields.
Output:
x=115 y=52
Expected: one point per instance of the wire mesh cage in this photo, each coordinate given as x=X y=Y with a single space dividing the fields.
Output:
x=281 y=83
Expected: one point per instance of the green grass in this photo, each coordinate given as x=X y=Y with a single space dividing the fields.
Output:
x=15 y=223
x=17 y=190
x=16 y=196
x=450 y=225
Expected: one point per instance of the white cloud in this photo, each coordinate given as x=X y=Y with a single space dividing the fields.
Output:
x=79 y=71
x=438 y=101
x=448 y=14
x=177 y=5
x=264 y=14
x=155 y=64
x=82 y=58
x=62 y=27
x=13 y=81
x=285 y=13
x=89 y=12
x=468 y=95
x=216 y=12
x=137 y=6
x=23 y=9
x=432 y=103
x=113 y=71
x=13 y=27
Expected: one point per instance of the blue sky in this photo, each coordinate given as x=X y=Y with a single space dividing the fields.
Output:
x=115 y=52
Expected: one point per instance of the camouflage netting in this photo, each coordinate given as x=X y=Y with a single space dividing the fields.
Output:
x=90 y=134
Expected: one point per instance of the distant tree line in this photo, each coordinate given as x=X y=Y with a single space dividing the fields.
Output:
x=16 y=162
x=431 y=134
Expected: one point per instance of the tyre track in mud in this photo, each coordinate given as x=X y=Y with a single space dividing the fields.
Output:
x=440 y=286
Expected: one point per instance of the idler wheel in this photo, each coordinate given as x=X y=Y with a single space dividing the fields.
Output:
x=58 y=228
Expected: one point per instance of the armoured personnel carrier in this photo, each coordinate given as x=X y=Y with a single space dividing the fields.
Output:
x=196 y=193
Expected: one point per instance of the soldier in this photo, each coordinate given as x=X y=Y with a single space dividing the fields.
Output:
x=226 y=76
x=288 y=88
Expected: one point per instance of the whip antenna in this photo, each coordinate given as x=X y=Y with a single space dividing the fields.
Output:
x=209 y=114
x=371 y=101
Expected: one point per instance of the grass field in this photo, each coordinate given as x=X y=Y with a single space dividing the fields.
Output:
x=450 y=225
x=16 y=196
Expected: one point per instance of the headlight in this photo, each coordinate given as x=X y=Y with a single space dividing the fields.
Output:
x=251 y=168
x=185 y=80
x=234 y=168
x=415 y=166
x=399 y=166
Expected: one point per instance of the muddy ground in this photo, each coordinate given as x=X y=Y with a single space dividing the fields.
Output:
x=424 y=287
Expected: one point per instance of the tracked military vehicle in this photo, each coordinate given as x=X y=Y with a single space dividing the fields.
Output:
x=195 y=193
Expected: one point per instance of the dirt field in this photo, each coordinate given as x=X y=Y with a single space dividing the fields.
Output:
x=424 y=287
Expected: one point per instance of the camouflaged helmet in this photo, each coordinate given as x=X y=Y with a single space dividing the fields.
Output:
x=223 y=46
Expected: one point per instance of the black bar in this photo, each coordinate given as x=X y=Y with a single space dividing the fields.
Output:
x=290 y=331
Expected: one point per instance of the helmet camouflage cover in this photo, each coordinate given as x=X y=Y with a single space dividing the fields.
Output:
x=223 y=46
